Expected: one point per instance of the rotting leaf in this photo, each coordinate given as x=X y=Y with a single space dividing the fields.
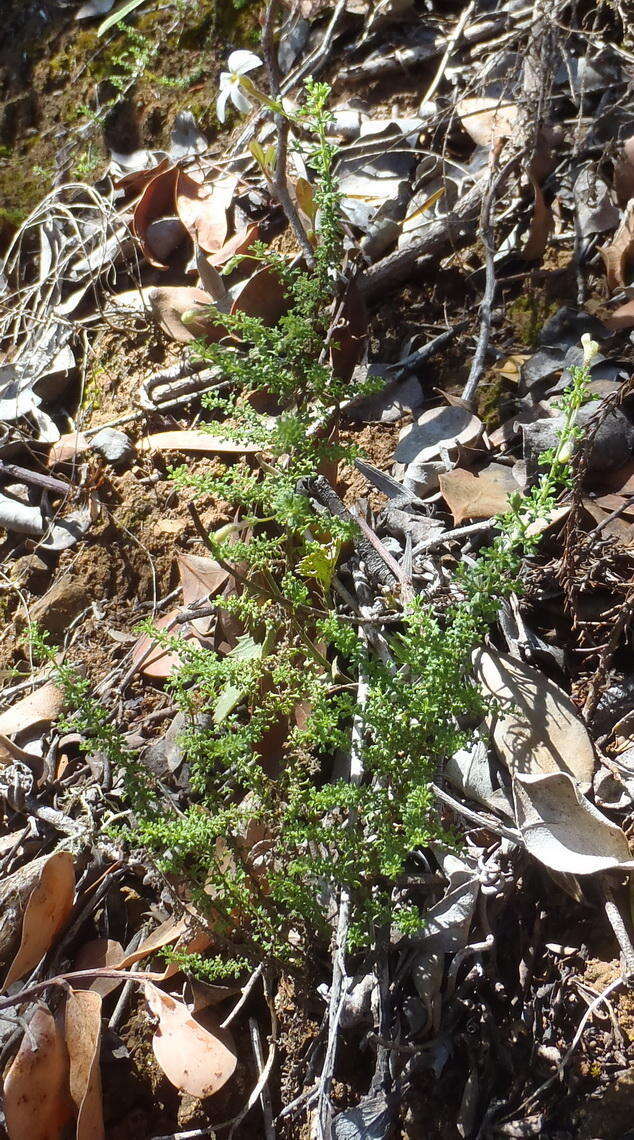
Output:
x=478 y=496
x=564 y=830
x=82 y=1027
x=194 y=1059
x=37 y=1103
x=39 y=708
x=618 y=255
x=536 y=727
x=45 y=914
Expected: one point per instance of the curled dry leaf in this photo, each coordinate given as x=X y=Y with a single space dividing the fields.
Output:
x=478 y=496
x=37 y=1104
x=540 y=227
x=152 y=659
x=196 y=1060
x=100 y=952
x=564 y=830
x=82 y=1027
x=239 y=243
x=10 y=753
x=487 y=120
x=39 y=708
x=437 y=429
x=261 y=296
x=537 y=728
x=157 y=201
x=45 y=914
x=618 y=255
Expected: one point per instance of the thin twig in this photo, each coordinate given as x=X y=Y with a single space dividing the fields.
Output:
x=265 y=1096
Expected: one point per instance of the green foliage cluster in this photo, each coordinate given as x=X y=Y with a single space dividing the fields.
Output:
x=275 y=831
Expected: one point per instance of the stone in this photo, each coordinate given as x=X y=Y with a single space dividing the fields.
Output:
x=612 y=446
x=31 y=572
x=114 y=446
x=60 y=605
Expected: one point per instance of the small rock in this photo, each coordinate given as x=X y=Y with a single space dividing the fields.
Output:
x=32 y=572
x=60 y=605
x=114 y=446
x=613 y=443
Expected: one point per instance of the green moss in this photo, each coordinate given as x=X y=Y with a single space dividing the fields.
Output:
x=528 y=312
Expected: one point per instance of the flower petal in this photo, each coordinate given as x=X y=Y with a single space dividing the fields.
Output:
x=243 y=61
x=240 y=100
x=221 y=103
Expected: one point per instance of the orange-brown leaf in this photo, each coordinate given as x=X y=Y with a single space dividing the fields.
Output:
x=45 y=914
x=37 y=1103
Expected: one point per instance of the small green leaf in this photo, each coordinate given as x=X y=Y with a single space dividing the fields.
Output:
x=119 y=13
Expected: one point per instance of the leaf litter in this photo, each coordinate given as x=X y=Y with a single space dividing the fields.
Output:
x=515 y=256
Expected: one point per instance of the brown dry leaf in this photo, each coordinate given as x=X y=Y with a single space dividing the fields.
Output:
x=621 y=318
x=137 y=180
x=261 y=296
x=618 y=255
x=622 y=503
x=620 y=480
x=541 y=225
x=200 y=578
x=487 y=120
x=45 y=914
x=511 y=367
x=239 y=243
x=192 y=440
x=537 y=729
x=37 y=1104
x=157 y=201
x=170 y=303
x=40 y=708
x=82 y=1027
x=624 y=173
x=618 y=528
x=159 y=663
x=168 y=932
x=99 y=953
x=194 y=1059
x=203 y=209
x=478 y=496
x=68 y=447
x=350 y=334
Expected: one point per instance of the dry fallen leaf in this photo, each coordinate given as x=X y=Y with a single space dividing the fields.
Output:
x=621 y=318
x=624 y=173
x=239 y=243
x=203 y=209
x=447 y=427
x=82 y=1027
x=196 y=1060
x=564 y=830
x=10 y=752
x=170 y=303
x=200 y=578
x=192 y=440
x=478 y=496
x=540 y=226
x=151 y=658
x=68 y=447
x=37 y=1104
x=45 y=914
x=100 y=952
x=619 y=253
x=487 y=120
x=261 y=296
x=157 y=201
x=537 y=728
x=39 y=708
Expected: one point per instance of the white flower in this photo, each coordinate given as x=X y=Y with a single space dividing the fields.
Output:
x=231 y=82
x=590 y=349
